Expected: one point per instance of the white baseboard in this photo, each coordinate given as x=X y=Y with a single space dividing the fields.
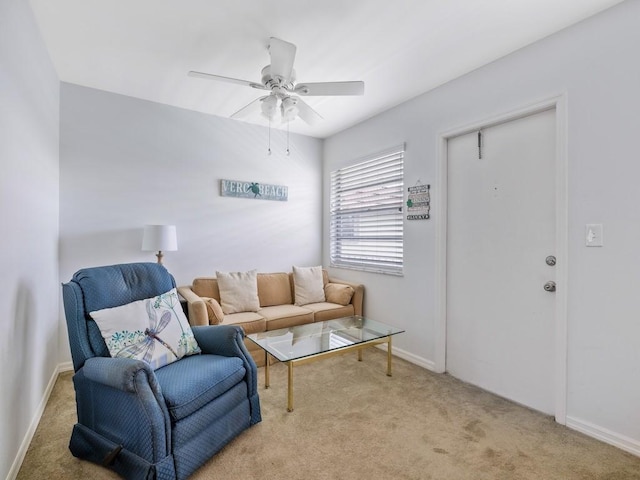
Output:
x=65 y=367
x=410 y=357
x=24 y=446
x=604 y=435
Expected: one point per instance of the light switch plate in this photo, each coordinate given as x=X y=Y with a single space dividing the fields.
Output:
x=593 y=235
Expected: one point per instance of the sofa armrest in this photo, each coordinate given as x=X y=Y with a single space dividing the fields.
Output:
x=196 y=307
x=357 y=299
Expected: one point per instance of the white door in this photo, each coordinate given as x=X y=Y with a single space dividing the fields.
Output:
x=500 y=229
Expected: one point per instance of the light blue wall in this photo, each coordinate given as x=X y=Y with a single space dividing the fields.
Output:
x=29 y=289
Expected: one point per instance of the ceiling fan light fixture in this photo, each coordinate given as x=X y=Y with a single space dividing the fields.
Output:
x=269 y=106
x=289 y=109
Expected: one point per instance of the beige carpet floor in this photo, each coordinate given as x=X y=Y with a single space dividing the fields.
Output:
x=351 y=422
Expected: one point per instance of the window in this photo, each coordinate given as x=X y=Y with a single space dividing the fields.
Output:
x=366 y=230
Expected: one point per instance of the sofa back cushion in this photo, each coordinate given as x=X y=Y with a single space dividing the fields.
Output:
x=274 y=289
x=206 y=287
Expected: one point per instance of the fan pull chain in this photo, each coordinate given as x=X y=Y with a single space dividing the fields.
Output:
x=288 y=138
x=269 y=150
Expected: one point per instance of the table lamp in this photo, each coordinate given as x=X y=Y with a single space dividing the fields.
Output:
x=159 y=238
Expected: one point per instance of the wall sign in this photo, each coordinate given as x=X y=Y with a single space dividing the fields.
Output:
x=418 y=202
x=262 y=191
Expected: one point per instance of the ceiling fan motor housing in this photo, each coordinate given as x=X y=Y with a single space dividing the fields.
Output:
x=273 y=83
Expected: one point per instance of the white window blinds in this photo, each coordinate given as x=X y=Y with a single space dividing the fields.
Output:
x=366 y=231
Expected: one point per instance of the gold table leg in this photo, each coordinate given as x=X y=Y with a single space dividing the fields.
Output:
x=290 y=388
x=389 y=356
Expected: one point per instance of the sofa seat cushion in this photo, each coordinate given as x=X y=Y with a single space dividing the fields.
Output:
x=250 y=322
x=283 y=316
x=328 y=311
x=192 y=382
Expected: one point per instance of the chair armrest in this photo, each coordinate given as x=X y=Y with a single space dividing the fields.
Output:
x=137 y=391
x=224 y=340
x=121 y=373
x=197 y=309
x=357 y=299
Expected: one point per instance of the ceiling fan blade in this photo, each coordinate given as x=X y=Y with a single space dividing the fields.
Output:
x=251 y=108
x=210 y=76
x=282 y=56
x=330 y=88
x=306 y=113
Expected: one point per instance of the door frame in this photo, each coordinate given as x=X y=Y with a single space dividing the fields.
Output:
x=559 y=103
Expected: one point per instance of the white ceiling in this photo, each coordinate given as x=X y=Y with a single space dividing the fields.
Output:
x=399 y=48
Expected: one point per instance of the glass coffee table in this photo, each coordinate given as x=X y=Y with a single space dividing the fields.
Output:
x=313 y=341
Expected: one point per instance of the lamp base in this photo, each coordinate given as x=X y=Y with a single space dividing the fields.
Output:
x=159 y=255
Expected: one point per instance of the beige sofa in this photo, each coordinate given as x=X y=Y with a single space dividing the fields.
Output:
x=276 y=294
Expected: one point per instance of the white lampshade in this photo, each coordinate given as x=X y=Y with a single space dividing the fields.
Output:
x=159 y=238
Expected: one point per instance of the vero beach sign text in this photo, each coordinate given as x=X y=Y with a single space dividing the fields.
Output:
x=262 y=191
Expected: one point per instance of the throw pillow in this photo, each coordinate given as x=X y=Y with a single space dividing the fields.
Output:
x=338 y=293
x=238 y=291
x=154 y=330
x=308 y=285
x=214 y=311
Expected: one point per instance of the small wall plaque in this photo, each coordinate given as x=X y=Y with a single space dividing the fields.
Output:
x=255 y=190
x=418 y=202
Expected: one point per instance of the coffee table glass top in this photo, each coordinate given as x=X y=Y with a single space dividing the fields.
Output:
x=293 y=343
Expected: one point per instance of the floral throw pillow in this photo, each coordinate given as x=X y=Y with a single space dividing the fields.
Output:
x=154 y=330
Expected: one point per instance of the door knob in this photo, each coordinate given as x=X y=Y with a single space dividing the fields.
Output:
x=550 y=286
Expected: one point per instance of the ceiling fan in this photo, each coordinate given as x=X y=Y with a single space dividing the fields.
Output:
x=280 y=79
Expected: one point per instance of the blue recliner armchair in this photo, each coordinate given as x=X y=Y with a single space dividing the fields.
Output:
x=147 y=424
